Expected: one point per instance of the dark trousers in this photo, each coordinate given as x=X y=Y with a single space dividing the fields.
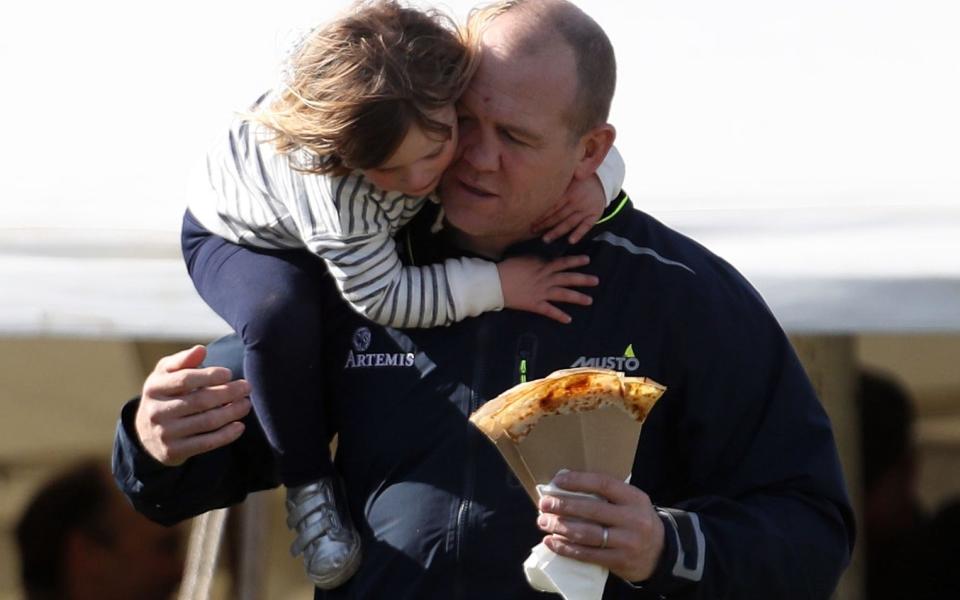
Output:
x=271 y=298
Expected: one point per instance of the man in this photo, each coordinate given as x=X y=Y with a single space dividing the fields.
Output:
x=738 y=449
x=79 y=539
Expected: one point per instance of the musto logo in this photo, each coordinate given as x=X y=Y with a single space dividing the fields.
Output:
x=359 y=358
x=626 y=363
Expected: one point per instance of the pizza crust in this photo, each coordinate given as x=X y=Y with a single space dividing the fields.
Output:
x=516 y=411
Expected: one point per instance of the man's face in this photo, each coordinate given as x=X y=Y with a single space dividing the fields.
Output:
x=516 y=156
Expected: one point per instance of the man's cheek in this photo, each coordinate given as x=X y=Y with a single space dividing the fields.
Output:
x=450 y=157
x=458 y=151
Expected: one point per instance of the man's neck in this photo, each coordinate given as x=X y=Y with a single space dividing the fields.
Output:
x=491 y=247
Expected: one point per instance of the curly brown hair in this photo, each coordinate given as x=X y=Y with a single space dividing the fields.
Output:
x=358 y=84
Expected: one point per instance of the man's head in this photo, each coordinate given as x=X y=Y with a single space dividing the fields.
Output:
x=532 y=119
x=550 y=21
x=79 y=538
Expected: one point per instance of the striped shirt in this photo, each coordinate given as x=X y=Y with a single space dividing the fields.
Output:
x=251 y=195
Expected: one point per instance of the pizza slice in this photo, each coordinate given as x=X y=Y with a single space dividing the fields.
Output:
x=516 y=411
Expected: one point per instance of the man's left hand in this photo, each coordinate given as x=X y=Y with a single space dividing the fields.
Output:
x=634 y=532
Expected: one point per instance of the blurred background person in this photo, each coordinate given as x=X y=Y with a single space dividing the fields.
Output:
x=939 y=579
x=910 y=555
x=79 y=539
x=892 y=517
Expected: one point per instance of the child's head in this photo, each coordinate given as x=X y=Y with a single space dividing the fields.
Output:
x=374 y=90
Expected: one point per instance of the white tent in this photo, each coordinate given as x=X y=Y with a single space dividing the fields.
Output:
x=867 y=270
x=813 y=145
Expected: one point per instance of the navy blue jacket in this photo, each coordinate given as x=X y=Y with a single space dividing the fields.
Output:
x=739 y=445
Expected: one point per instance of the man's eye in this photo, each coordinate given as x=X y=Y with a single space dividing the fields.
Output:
x=510 y=137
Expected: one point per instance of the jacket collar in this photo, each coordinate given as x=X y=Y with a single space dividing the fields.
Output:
x=423 y=246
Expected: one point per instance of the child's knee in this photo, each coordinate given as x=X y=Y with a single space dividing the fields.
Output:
x=280 y=318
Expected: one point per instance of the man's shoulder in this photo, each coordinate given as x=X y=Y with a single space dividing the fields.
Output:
x=651 y=242
x=642 y=248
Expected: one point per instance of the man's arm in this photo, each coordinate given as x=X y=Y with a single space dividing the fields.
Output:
x=189 y=444
x=763 y=512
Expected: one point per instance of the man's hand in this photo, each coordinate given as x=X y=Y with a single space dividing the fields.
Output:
x=634 y=531
x=579 y=209
x=185 y=410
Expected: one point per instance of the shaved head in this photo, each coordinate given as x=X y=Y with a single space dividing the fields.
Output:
x=529 y=27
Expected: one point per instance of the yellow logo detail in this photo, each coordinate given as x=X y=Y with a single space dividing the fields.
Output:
x=628 y=353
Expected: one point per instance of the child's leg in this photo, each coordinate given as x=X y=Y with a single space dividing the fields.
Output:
x=272 y=300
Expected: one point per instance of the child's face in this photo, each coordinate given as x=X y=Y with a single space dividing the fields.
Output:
x=415 y=167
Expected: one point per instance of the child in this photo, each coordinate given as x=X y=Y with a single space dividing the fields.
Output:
x=335 y=163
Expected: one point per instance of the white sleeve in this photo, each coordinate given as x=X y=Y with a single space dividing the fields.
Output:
x=362 y=256
x=370 y=276
x=611 y=173
x=475 y=286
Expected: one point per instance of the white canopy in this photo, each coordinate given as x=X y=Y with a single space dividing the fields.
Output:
x=813 y=145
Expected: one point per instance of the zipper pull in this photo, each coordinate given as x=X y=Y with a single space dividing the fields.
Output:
x=526 y=353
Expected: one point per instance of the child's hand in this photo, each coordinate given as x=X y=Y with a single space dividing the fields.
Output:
x=578 y=210
x=531 y=284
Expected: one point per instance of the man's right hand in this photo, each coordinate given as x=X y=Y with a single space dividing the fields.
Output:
x=186 y=410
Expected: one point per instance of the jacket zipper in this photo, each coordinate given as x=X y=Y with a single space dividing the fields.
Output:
x=526 y=354
x=463 y=511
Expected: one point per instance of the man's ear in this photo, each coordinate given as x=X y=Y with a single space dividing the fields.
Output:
x=593 y=148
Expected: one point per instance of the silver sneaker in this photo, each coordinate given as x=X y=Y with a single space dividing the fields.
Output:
x=325 y=534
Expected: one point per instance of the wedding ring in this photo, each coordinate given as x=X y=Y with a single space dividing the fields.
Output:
x=606 y=537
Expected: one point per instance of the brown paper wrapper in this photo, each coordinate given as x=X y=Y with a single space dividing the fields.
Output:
x=599 y=436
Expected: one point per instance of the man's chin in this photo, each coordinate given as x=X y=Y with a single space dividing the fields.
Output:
x=463 y=219
x=463 y=208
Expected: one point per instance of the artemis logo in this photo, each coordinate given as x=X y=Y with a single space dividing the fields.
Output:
x=626 y=363
x=361 y=339
x=379 y=359
x=362 y=359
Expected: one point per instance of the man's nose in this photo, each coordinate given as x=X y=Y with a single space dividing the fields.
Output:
x=481 y=151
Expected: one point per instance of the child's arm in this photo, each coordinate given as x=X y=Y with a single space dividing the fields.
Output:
x=379 y=287
x=584 y=201
x=350 y=225
x=532 y=284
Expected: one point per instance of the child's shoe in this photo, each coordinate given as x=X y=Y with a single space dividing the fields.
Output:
x=325 y=534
